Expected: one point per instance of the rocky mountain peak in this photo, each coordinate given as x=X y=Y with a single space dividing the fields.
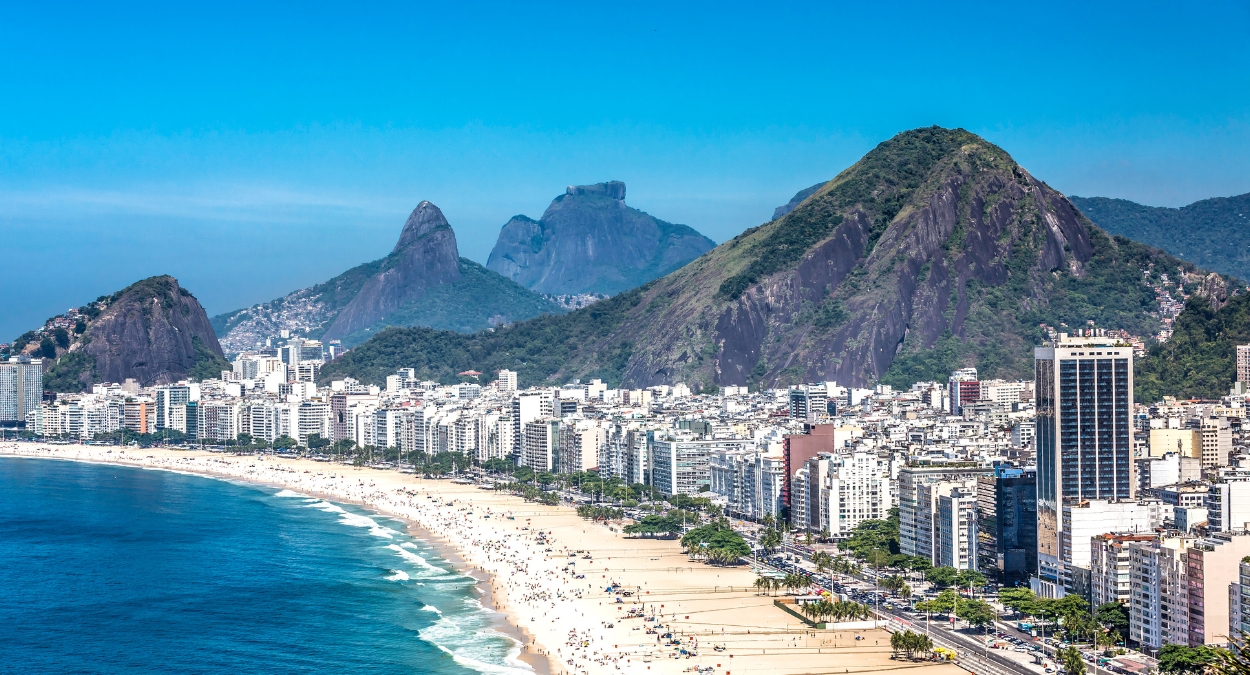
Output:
x=154 y=331
x=424 y=219
x=425 y=256
x=589 y=241
x=613 y=189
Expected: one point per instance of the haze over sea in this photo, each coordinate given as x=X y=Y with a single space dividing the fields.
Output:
x=107 y=569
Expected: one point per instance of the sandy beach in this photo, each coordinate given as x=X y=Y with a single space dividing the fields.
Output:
x=550 y=573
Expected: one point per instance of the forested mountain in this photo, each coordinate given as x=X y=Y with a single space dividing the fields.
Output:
x=154 y=331
x=934 y=251
x=589 y=241
x=422 y=282
x=1212 y=233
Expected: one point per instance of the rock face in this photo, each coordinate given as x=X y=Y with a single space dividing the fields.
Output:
x=935 y=251
x=589 y=241
x=425 y=256
x=149 y=331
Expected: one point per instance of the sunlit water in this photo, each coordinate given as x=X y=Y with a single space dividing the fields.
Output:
x=119 y=570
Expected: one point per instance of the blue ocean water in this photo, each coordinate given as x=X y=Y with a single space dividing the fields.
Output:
x=109 y=569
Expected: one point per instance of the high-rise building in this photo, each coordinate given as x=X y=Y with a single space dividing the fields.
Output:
x=809 y=403
x=21 y=387
x=167 y=398
x=683 y=465
x=527 y=407
x=964 y=389
x=507 y=380
x=915 y=510
x=1243 y=363
x=541 y=442
x=1084 y=440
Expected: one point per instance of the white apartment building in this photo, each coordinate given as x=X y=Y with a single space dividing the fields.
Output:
x=1111 y=568
x=1159 y=611
x=541 y=440
x=955 y=540
x=855 y=488
x=683 y=466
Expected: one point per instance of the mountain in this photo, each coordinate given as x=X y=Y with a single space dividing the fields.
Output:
x=422 y=282
x=798 y=198
x=1214 y=233
x=933 y=252
x=589 y=241
x=154 y=331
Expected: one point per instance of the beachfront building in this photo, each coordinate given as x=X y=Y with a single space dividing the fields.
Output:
x=681 y=464
x=916 y=510
x=579 y=446
x=541 y=441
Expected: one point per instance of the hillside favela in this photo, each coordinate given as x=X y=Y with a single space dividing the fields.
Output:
x=325 y=400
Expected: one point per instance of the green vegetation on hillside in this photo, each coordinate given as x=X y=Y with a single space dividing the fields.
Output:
x=1213 y=233
x=1200 y=359
x=880 y=183
x=208 y=365
x=466 y=305
x=536 y=349
x=66 y=375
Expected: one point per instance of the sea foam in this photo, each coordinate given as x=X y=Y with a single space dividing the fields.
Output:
x=354 y=519
x=416 y=559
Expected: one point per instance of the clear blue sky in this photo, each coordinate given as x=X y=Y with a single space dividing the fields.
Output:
x=250 y=151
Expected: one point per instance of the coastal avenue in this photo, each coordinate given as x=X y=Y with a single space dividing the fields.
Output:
x=972 y=653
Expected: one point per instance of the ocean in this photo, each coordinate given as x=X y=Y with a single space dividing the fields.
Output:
x=107 y=569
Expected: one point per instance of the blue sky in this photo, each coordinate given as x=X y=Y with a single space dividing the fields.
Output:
x=252 y=151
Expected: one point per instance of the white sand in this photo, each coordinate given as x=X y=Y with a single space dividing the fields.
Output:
x=566 y=619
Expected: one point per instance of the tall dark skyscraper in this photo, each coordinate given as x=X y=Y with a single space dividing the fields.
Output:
x=1084 y=439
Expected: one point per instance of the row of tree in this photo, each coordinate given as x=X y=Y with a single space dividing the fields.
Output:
x=791 y=582
x=911 y=643
x=836 y=610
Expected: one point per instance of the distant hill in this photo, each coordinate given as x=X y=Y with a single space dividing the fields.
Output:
x=797 y=199
x=1213 y=233
x=422 y=282
x=589 y=241
x=934 y=251
x=154 y=331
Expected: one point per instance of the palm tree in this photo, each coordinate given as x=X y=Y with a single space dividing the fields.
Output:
x=761 y=583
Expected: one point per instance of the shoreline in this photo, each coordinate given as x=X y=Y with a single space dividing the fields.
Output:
x=533 y=568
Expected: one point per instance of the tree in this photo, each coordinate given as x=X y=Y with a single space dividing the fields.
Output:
x=284 y=442
x=1234 y=661
x=1187 y=660
x=244 y=439
x=1073 y=662
x=769 y=539
x=944 y=603
x=1019 y=599
x=823 y=561
x=971 y=579
x=942 y=576
x=1114 y=617
x=47 y=349
x=976 y=612
x=316 y=442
